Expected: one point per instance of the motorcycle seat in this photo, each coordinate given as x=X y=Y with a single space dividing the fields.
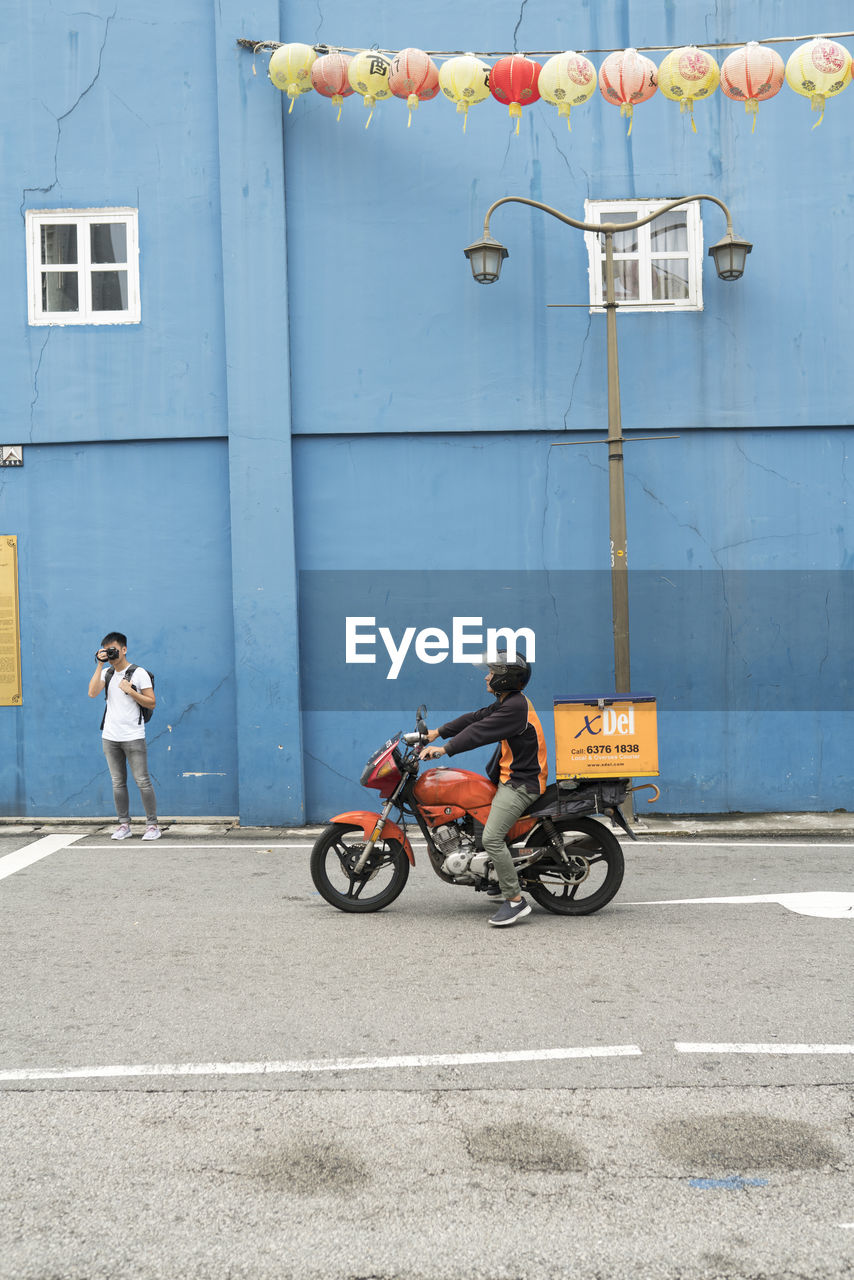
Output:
x=546 y=801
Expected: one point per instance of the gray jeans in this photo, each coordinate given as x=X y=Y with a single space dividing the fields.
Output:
x=508 y=804
x=119 y=755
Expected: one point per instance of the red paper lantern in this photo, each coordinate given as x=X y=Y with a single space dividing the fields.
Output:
x=751 y=75
x=329 y=78
x=513 y=81
x=414 y=76
x=627 y=78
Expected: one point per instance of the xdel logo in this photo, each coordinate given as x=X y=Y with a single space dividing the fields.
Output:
x=432 y=644
x=611 y=723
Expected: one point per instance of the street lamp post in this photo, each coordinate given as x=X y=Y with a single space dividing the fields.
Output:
x=730 y=253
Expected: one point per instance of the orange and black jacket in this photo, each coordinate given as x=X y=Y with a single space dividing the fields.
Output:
x=513 y=723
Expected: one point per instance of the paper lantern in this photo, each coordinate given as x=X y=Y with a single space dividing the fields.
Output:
x=465 y=80
x=513 y=81
x=567 y=80
x=687 y=74
x=368 y=74
x=290 y=69
x=415 y=77
x=751 y=75
x=819 y=70
x=329 y=77
x=627 y=78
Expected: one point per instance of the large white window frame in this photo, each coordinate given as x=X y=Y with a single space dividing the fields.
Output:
x=79 y=259
x=641 y=263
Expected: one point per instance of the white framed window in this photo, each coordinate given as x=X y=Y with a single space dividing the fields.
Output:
x=83 y=266
x=658 y=267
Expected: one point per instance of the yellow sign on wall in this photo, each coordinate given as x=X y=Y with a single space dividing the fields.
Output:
x=606 y=737
x=10 y=624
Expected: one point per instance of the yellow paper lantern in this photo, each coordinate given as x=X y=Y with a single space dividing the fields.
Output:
x=687 y=74
x=465 y=80
x=368 y=74
x=566 y=81
x=290 y=70
x=819 y=70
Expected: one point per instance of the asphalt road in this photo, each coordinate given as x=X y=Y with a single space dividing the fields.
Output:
x=206 y=1071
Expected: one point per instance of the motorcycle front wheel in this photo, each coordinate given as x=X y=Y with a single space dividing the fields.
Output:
x=589 y=878
x=333 y=863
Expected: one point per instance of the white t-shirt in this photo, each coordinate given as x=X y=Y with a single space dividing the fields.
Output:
x=123 y=722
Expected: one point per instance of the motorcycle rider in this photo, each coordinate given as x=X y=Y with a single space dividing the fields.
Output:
x=519 y=767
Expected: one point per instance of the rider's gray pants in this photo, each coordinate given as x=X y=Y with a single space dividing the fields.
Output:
x=508 y=804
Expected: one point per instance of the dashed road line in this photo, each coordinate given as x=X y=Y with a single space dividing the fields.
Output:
x=316 y=1065
x=772 y=1048
x=828 y=904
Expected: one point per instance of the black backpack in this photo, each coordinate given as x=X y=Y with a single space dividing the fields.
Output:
x=145 y=713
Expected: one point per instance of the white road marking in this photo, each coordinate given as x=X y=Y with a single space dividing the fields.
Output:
x=770 y=844
x=247 y=845
x=827 y=904
x=31 y=853
x=163 y=845
x=802 y=1049
x=312 y=1066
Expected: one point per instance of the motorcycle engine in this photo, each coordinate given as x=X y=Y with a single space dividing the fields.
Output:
x=455 y=846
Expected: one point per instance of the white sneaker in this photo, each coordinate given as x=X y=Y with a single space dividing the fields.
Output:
x=152 y=833
x=122 y=832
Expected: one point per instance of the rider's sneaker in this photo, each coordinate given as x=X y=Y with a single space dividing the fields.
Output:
x=122 y=832
x=511 y=912
x=152 y=832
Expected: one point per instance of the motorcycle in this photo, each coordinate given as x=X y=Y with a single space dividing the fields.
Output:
x=569 y=863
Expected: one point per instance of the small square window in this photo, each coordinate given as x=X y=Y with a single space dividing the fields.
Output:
x=657 y=267
x=83 y=266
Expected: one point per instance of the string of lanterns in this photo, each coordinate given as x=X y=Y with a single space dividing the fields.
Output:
x=752 y=73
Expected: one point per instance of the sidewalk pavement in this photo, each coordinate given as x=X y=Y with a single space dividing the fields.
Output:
x=706 y=826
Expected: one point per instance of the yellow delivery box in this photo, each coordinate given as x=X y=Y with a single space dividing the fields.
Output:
x=614 y=736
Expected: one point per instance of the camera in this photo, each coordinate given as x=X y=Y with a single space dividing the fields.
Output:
x=112 y=653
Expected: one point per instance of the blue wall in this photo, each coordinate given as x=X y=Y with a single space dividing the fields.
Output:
x=322 y=416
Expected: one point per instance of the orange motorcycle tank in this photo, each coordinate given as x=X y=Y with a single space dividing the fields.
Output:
x=454 y=787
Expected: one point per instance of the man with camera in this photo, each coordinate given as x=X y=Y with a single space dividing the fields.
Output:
x=123 y=730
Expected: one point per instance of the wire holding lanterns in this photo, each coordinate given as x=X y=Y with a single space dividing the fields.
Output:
x=819 y=68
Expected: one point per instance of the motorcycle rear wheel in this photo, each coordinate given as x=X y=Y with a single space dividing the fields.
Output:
x=333 y=858
x=593 y=876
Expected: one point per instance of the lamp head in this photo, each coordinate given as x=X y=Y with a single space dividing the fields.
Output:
x=730 y=255
x=486 y=257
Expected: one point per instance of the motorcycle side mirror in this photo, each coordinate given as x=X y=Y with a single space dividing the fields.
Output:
x=420 y=722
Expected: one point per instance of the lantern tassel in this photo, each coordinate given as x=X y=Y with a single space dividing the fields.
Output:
x=626 y=109
x=337 y=101
x=752 y=105
x=292 y=94
x=564 y=110
x=687 y=104
x=516 y=114
x=817 y=101
x=412 y=102
x=369 y=102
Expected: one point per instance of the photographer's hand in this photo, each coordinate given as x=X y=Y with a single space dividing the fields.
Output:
x=96 y=684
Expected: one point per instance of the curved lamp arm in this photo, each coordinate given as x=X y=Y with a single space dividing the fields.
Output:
x=486 y=255
x=605 y=226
